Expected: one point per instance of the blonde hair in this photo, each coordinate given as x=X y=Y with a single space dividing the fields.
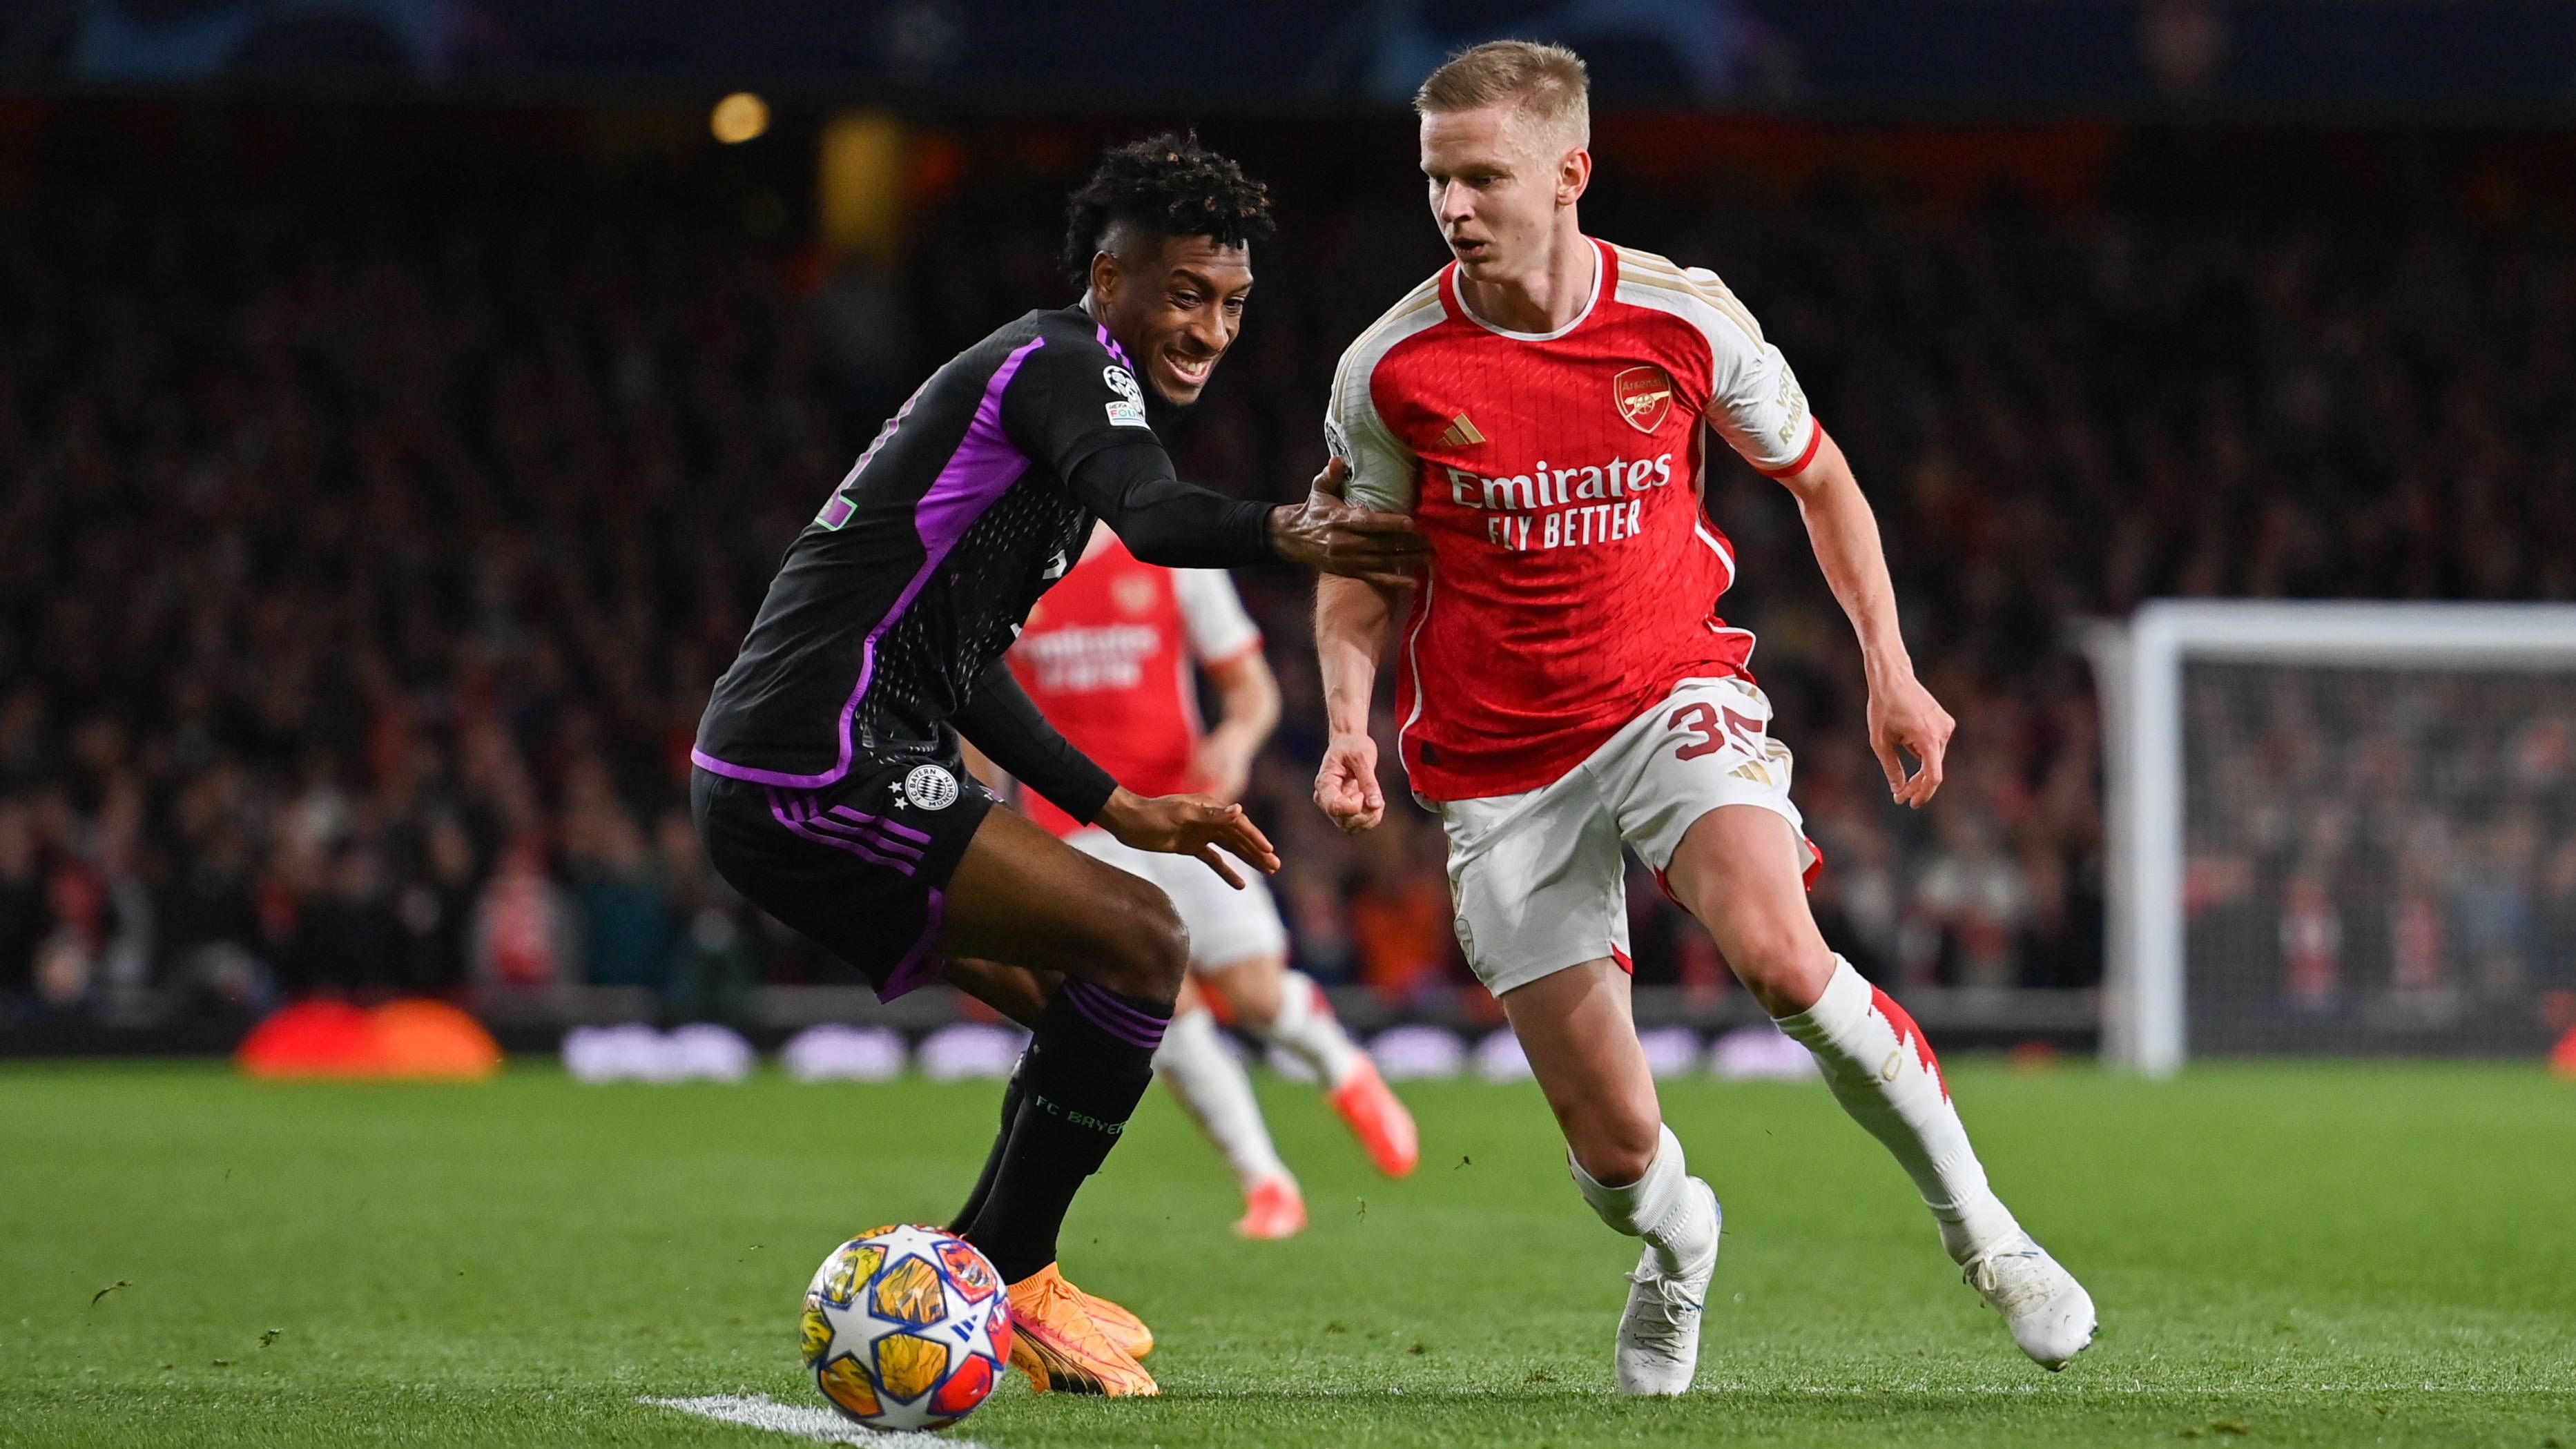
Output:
x=1547 y=84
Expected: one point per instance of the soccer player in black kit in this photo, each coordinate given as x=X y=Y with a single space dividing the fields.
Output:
x=829 y=787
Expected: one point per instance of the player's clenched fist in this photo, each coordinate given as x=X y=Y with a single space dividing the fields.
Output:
x=1904 y=719
x=1191 y=825
x=1326 y=533
x=1346 y=786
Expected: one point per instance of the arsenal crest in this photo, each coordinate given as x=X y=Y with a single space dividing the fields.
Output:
x=1134 y=593
x=1644 y=396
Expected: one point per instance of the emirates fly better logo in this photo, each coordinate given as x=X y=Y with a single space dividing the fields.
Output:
x=1644 y=396
x=1531 y=510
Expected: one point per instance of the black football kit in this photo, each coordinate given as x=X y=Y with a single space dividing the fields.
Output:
x=830 y=788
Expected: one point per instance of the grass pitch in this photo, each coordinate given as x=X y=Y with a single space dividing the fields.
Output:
x=2312 y=1255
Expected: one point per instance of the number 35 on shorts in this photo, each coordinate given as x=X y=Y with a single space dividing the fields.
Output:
x=1698 y=728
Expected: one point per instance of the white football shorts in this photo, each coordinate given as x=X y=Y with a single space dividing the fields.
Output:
x=1537 y=877
x=1227 y=926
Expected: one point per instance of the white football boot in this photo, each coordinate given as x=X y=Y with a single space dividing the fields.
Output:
x=1659 y=1331
x=2050 y=1314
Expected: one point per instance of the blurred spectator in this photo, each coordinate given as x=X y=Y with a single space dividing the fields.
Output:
x=625 y=914
x=1973 y=901
x=22 y=902
x=434 y=904
x=525 y=931
x=712 y=961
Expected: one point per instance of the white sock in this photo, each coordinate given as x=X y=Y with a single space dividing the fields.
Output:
x=1665 y=1207
x=1307 y=1027
x=1212 y=1087
x=1883 y=1072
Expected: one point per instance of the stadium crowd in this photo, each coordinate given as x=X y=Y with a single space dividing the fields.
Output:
x=363 y=567
x=2381 y=853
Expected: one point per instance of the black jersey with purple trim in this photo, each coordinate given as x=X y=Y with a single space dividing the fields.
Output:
x=926 y=559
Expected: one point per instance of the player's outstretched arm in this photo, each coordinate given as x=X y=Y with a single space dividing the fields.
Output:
x=1352 y=620
x=1001 y=721
x=1165 y=521
x=1327 y=533
x=1904 y=718
x=1191 y=825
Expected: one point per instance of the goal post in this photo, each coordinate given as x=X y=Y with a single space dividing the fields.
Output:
x=2425 y=695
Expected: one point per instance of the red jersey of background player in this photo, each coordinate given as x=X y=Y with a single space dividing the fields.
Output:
x=1106 y=655
x=1574 y=577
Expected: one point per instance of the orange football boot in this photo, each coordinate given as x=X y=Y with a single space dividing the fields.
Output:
x=1060 y=1346
x=1118 y=1325
x=1378 y=1120
x=1273 y=1208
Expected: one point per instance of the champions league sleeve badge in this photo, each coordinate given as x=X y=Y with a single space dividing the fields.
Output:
x=1127 y=410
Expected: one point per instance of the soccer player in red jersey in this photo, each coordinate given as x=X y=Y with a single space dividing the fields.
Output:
x=1566 y=686
x=1106 y=656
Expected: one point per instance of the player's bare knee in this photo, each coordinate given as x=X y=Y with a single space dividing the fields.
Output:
x=1783 y=964
x=1252 y=992
x=1147 y=950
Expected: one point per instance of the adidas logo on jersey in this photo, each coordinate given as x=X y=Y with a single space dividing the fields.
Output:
x=1461 y=434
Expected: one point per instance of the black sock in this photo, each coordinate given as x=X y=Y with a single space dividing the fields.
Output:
x=983 y=1188
x=1087 y=1067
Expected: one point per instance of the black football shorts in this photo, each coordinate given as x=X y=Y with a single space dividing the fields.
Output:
x=860 y=866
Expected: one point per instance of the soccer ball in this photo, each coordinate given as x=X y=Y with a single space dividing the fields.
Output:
x=906 y=1328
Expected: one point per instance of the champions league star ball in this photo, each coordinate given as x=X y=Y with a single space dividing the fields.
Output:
x=906 y=1328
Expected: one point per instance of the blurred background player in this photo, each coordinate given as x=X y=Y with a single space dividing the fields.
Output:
x=1107 y=657
x=830 y=786
x=1567 y=685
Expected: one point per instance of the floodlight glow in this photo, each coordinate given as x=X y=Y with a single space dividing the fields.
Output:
x=739 y=117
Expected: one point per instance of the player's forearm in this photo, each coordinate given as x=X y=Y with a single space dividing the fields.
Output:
x=1165 y=521
x=1352 y=620
x=1003 y=722
x=1247 y=700
x=1844 y=532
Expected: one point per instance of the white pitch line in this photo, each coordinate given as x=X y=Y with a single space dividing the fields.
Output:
x=819 y=1425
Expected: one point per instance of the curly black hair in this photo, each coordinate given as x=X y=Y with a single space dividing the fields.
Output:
x=1171 y=184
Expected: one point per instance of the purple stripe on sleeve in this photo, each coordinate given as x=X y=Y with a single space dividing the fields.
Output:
x=982 y=469
x=1115 y=1018
x=1115 y=350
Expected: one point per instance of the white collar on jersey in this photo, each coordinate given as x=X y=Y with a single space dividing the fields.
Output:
x=1600 y=267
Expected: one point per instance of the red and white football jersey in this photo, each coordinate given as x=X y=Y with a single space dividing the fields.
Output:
x=1106 y=657
x=1574 y=576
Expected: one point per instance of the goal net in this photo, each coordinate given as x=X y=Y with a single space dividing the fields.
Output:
x=2339 y=828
